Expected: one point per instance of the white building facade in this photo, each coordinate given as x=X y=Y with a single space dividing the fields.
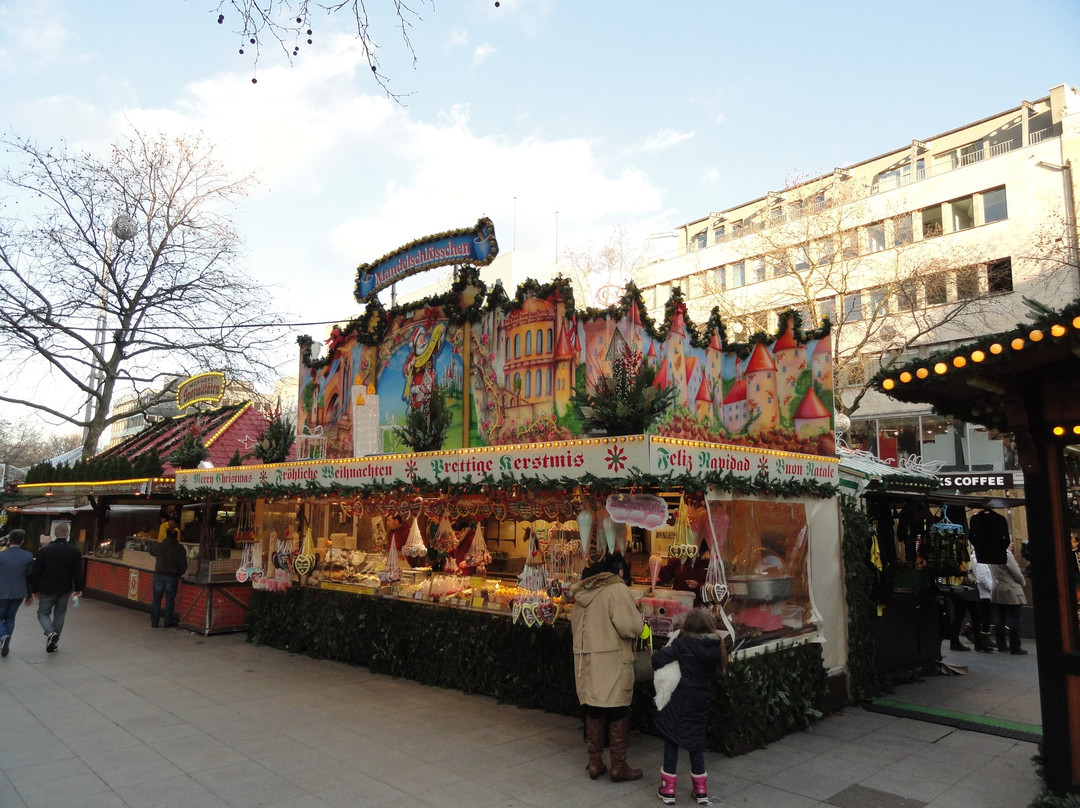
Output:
x=908 y=253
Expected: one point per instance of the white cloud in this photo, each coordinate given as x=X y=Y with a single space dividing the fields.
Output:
x=664 y=139
x=34 y=34
x=481 y=54
x=457 y=38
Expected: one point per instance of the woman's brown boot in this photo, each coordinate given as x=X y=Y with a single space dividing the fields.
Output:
x=619 y=738
x=594 y=737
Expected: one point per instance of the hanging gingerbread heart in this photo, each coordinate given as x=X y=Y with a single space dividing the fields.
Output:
x=242 y=574
x=515 y=611
x=528 y=611
x=548 y=611
x=303 y=564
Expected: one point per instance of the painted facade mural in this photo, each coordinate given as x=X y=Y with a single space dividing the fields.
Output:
x=514 y=370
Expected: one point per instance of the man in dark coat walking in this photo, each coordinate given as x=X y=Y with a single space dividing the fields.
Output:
x=56 y=574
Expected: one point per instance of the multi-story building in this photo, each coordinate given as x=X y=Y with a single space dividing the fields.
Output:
x=907 y=253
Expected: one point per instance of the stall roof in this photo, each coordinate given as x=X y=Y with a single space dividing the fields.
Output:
x=939 y=498
x=862 y=470
x=224 y=431
x=979 y=381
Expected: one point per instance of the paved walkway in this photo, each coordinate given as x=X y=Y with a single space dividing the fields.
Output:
x=126 y=715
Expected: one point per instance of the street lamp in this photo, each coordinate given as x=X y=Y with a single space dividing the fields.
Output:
x=123 y=228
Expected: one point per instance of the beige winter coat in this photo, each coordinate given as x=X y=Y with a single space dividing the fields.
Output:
x=1008 y=582
x=605 y=622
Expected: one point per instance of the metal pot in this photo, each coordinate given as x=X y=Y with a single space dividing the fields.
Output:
x=759 y=587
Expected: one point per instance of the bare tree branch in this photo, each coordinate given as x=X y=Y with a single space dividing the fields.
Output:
x=94 y=306
x=288 y=23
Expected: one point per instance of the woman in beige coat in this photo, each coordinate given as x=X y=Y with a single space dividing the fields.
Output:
x=1008 y=597
x=605 y=622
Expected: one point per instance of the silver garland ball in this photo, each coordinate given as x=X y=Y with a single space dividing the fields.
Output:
x=842 y=423
x=124 y=227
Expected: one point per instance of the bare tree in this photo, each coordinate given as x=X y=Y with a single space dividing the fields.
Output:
x=25 y=442
x=118 y=274
x=872 y=276
x=601 y=274
x=288 y=23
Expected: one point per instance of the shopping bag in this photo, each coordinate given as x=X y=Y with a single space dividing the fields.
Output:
x=643 y=671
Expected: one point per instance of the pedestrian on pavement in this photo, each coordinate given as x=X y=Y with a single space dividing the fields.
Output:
x=15 y=564
x=1008 y=597
x=56 y=574
x=605 y=622
x=170 y=565
x=700 y=651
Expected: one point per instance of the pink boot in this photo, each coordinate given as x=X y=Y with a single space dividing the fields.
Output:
x=666 y=792
x=701 y=788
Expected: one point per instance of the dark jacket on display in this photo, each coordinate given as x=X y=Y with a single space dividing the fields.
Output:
x=57 y=569
x=685 y=717
x=171 y=557
x=988 y=532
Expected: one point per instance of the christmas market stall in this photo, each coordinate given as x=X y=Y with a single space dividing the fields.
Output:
x=1024 y=382
x=470 y=453
x=131 y=500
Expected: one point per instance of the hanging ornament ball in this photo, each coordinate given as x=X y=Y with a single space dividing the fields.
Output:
x=124 y=227
x=254 y=81
x=220 y=18
x=843 y=423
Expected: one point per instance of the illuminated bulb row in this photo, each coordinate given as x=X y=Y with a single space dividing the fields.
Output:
x=1018 y=343
x=1061 y=431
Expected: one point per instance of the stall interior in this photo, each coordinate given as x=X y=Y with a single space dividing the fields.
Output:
x=748 y=555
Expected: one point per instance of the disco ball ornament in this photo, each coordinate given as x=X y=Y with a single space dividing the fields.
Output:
x=843 y=423
x=124 y=227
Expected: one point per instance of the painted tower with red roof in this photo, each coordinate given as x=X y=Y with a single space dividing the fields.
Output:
x=790 y=360
x=821 y=363
x=674 y=356
x=735 y=409
x=811 y=418
x=761 y=390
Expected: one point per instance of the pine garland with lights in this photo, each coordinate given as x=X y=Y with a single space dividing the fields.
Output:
x=426 y=424
x=627 y=402
x=191 y=452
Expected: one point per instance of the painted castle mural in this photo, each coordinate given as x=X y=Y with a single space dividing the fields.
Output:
x=508 y=369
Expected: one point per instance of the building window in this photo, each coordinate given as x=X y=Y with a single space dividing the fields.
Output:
x=697 y=242
x=720 y=277
x=795 y=209
x=907 y=296
x=539 y=340
x=736 y=227
x=852 y=307
x=994 y=207
x=827 y=307
x=875 y=237
x=802 y=259
x=971 y=153
x=999 y=276
x=902 y=230
x=826 y=252
x=937 y=290
x=963 y=213
x=852 y=373
x=819 y=201
x=738 y=274
x=718 y=234
x=967 y=283
x=528 y=343
x=517 y=346
x=758 y=270
x=776 y=214
x=879 y=301
x=528 y=384
x=931 y=221
x=550 y=342
x=851 y=244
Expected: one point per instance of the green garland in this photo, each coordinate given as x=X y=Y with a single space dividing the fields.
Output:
x=859 y=585
x=759 y=485
x=758 y=701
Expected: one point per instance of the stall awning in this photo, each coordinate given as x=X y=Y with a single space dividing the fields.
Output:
x=861 y=470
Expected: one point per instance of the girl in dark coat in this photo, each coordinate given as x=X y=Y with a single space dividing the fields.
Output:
x=699 y=649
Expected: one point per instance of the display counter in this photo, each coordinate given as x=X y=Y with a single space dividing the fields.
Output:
x=205 y=606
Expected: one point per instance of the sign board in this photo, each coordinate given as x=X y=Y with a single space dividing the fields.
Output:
x=475 y=245
x=204 y=387
x=976 y=481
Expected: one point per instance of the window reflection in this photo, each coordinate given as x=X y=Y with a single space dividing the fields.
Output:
x=957 y=446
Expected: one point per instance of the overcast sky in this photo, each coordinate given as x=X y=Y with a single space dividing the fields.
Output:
x=593 y=114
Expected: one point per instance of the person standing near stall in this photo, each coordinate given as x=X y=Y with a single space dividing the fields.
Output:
x=699 y=649
x=170 y=565
x=605 y=622
x=1008 y=597
x=14 y=585
x=56 y=575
